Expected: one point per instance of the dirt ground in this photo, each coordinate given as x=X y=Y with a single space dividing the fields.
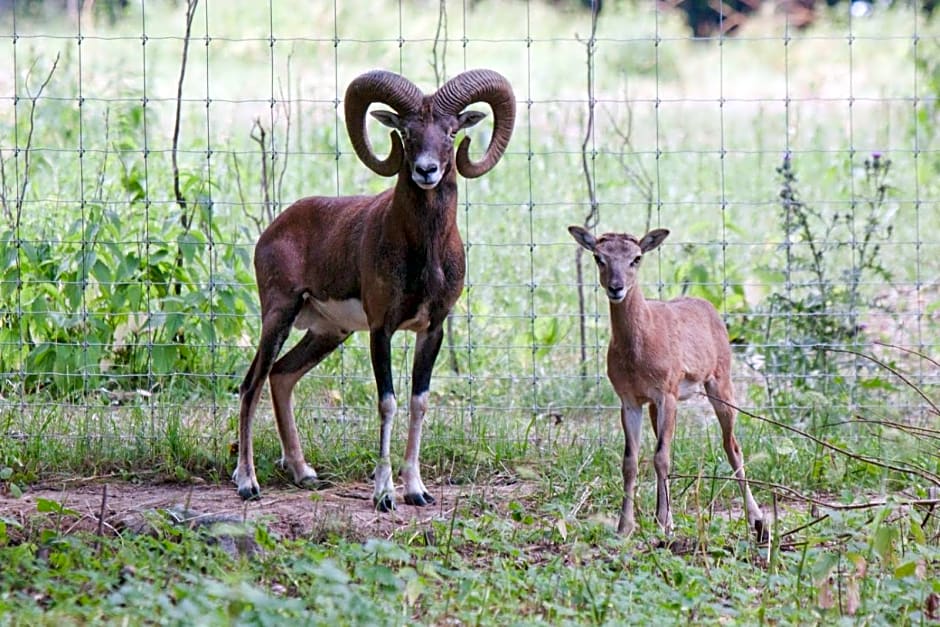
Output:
x=287 y=511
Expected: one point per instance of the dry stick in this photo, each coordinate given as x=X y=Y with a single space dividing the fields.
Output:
x=180 y=200
x=104 y=500
x=7 y=214
x=636 y=174
x=241 y=195
x=285 y=105
x=590 y=221
x=910 y=351
x=439 y=64
x=21 y=194
x=99 y=531
x=810 y=499
x=442 y=63
x=261 y=140
x=912 y=429
x=924 y=474
x=893 y=371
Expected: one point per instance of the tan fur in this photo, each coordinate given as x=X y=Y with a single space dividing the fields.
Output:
x=660 y=353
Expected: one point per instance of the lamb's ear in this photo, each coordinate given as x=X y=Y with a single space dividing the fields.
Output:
x=583 y=237
x=653 y=239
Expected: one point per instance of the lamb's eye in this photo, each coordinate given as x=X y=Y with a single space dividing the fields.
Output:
x=636 y=261
x=600 y=260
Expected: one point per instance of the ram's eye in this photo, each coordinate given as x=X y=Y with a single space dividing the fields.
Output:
x=636 y=261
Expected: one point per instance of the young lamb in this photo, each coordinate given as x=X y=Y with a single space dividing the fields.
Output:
x=660 y=353
x=377 y=263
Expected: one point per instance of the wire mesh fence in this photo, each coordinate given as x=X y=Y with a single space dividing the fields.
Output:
x=145 y=147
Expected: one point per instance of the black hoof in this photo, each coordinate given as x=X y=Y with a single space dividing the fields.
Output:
x=419 y=499
x=385 y=504
x=250 y=493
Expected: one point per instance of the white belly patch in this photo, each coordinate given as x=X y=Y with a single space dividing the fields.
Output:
x=332 y=315
x=328 y=316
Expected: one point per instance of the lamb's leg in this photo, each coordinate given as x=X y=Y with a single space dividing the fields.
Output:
x=666 y=414
x=275 y=327
x=721 y=397
x=284 y=376
x=380 y=344
x=631 y=419
x=427 y=346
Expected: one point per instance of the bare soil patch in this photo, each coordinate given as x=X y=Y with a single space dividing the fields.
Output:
x=290 y=512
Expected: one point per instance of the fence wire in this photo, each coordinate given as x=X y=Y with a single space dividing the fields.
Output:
x=145 y=147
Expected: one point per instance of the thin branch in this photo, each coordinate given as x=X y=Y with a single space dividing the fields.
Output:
x=241 y=195
x=636 y=173
x=912 y=429
x=21 y=196
x=590 y=221
x=440 y=64
x=180 y=200
x=811 y=499
x=285 y=105
x=910 y=351
x=99 y=183
x=262 y=141
x=7 y=213
x=890 y=369
x=101 y=511
x=920 y=472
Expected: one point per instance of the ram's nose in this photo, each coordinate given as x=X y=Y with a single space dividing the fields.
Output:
x=426 y=173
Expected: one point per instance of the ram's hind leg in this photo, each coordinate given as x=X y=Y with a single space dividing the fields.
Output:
x=721 y=397
x=275 y=327
x=284 y=376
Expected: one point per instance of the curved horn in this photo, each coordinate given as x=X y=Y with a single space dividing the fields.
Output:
x=390 y=89
x=480 y=86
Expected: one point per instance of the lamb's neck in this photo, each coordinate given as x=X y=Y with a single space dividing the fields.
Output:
x=629 y=320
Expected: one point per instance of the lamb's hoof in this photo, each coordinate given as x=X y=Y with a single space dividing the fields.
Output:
x=419 y=498
x=384 y=504
x=249 y=493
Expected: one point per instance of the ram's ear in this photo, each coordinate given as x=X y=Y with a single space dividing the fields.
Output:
x=469 y=118
x=653 y=239
x=388 y=118
x=583 y=237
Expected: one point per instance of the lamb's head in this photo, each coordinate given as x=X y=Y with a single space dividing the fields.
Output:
x=425 y=126
x=618 y=257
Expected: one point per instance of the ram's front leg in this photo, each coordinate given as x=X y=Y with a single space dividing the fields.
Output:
x=383 y=496
x=427 y=346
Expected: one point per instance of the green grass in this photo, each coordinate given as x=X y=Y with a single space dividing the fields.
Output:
x=117 y=359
